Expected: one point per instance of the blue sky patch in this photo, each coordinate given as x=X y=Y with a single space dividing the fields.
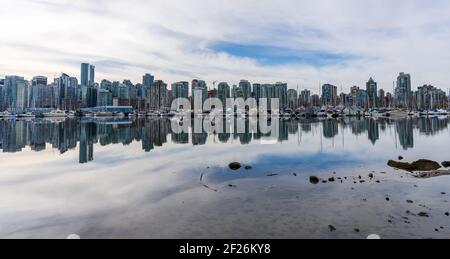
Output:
x=272 y=55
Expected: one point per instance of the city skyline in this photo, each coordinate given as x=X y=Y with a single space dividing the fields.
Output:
x=152 y=93
x=299 y=43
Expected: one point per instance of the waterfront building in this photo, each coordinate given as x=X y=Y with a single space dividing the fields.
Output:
x=381 y=98
x=158 y=97
x=41 y=95
x=147 y=81
x=67 y=92
x=372 y=92
x=180 y=90
x=246 y=89
x=292 y=99
x=315 y=100
x=329 y=95
x=39 y=80
x=280 y=92
x=429 y=97
x=104 y=98
x=403 y=93
x=106 y=84
x=223 y=92
x=87 y=77
x=16 y=93
x=361 y=99
x=305 y=98
x=3 y=105
x=257 y=92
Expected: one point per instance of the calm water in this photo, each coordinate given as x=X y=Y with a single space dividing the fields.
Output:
x=137 y=179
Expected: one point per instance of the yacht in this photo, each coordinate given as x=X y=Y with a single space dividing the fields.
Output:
x=6 y=114
x=26 y=115
x=322 y=113
x=72 y=114
x=55 y=113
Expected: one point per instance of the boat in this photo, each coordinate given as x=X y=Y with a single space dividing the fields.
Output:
x=55 y=113
x=153 y=114
x=88 y=114
x=322 y=113
x=118 y=114
x=103 y=114
x=26 y=115
x=6 y=114
x=397 y=114
x=72 y=114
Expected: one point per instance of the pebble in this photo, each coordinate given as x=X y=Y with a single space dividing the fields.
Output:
x=313 y=180
x=235 y=166
x=423 y=214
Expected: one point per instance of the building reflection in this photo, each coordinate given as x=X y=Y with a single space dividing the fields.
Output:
x=67 y=134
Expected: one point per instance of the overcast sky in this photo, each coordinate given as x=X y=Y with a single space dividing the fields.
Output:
x=304 y=43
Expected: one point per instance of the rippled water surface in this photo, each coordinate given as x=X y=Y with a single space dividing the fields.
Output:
x=120 y=178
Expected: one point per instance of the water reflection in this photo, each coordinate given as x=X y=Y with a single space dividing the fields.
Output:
x=64 y=135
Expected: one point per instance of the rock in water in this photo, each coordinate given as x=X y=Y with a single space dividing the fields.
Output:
x=426 y=165
x=248 y=167
x=400 y=165
x=314 y=180
x=423 y=214
x=446 y=164
x=332 y=228
x=419 y=165
x=235 y=166
x=400 y=158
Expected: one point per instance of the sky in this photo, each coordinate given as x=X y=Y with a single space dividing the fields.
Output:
x=302 y=42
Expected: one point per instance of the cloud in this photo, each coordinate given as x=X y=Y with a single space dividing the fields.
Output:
x=300 y=42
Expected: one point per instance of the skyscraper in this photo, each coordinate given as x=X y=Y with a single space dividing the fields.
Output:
x=223 y=92
x=16 y=92
x=280 y=92
x=180 y=90
x=246 y=89
x=39 y=80
x=87 y=75
x=88 y=92
x=41 y=94
x=305 y=98
x=403 y=90
x=2 y=95
x=381 y=98
x=91 y=75
x=292 y=97
x=147 y=80
x=329 y=94
x=158 y=97
x=372 y=92
x=104 y=97
x=200 y=85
